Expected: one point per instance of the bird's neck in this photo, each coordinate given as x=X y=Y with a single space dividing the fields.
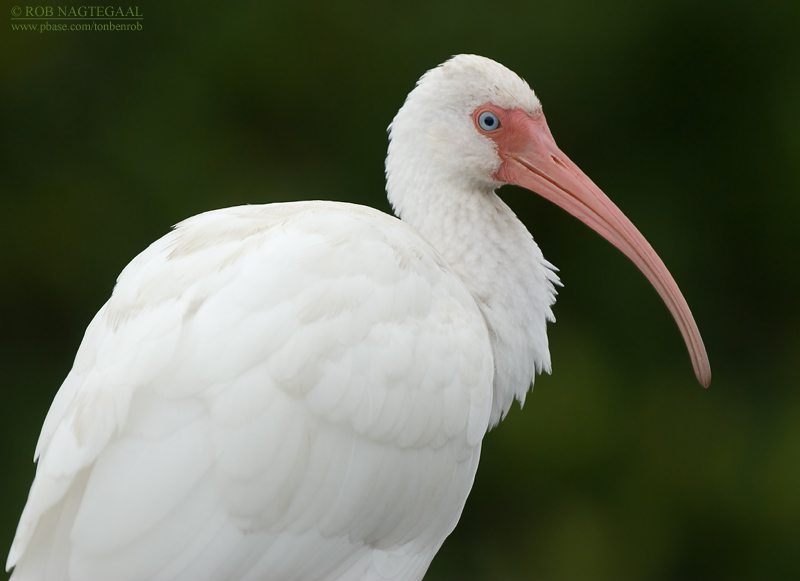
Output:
x=496 y=258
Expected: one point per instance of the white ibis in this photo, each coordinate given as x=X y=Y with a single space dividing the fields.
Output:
x=299 y=391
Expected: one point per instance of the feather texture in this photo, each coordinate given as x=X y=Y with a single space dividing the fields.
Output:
x=233 y=420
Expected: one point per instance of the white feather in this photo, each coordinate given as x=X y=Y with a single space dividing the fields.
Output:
x=239 y=402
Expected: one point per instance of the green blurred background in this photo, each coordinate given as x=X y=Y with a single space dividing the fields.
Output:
x=686 y=113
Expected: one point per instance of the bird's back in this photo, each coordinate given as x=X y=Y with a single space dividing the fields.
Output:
x=291 y=391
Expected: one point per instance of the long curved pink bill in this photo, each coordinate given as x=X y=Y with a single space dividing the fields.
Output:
x=532 y=160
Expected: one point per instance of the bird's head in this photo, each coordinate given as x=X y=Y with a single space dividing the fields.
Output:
x=441 y=118
x=471 y=125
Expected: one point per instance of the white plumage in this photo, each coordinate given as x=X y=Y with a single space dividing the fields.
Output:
x=299 y=391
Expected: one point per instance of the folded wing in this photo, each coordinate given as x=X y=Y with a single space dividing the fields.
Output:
x=293 y=390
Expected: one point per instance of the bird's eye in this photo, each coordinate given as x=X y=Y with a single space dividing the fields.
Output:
x=488 y=121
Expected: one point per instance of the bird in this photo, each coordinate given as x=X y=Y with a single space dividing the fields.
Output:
x=299 y=391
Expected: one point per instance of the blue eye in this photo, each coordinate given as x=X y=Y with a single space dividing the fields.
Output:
x=488 y=121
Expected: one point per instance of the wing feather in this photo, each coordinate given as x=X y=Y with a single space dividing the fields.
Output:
x=266 y=383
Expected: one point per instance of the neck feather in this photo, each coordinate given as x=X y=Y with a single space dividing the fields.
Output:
x=496 y=258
